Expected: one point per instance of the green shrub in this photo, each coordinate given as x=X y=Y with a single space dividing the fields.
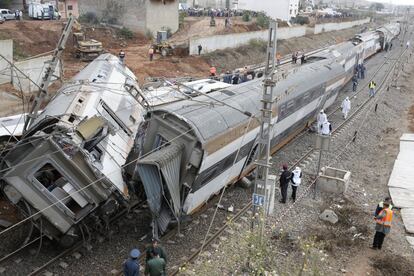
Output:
x=258 y=44
x=126 y=33
x=302 y=20
x=262 y=20
x=246 y=16
x=89 y=17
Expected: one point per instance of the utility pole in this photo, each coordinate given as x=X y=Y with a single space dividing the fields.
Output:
x=263 y=162
x=44 y=85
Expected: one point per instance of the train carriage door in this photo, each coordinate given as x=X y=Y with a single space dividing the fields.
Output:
x=321 y=90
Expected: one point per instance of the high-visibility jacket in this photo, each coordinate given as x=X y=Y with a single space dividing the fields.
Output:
x=386 y=219
x=371 y=84
x=213 y=70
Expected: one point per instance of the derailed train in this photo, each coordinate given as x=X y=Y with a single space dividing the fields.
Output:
x=84 y=155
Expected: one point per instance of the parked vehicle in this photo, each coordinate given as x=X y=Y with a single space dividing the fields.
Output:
x=7 y=14
x=43 y=11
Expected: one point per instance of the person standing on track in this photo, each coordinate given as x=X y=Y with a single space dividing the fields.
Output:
x=362 y=68
x=354 y=83
x=346 y=107
x=131 y=266
x=320 y=120
x=383 y=225
x=371 y=87
x=285 y=178
x=296 y=180
x=326 y=128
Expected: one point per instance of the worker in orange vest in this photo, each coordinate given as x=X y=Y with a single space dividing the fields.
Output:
x=213 y=71
x=383 y=225
x=278 y=58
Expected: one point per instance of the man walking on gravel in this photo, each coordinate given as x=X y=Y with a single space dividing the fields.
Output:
x=371 y=87
x=383 y=225
x=296 y=180
x=285 y=178
x=346 y=107
x=354 y=83
x=131 y=266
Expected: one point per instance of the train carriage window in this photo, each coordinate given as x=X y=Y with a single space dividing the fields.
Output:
x=282 y=111
x=60 y=188
x=306 y=97
x=160 y=142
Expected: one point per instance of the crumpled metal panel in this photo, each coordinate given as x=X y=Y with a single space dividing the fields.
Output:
x=167 y=161
x=151 y=179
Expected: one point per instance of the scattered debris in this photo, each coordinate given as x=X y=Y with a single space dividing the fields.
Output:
x=77 y=255
x=329 y=216
x=4 y=223
x=63 y=265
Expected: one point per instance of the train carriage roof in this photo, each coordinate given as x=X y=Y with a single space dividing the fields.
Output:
x=210 y=118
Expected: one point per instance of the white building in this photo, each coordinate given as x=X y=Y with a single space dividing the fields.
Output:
x=276 y=9
x=214 y=4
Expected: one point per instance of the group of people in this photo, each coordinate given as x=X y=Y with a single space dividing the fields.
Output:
x=294 y=177
x=155 y=261
x=18 y=14
x=239 y=76
x=295 y=57
x=323 y=125
x=359 y=74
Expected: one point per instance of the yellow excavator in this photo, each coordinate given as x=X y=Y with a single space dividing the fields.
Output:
x=86 y=49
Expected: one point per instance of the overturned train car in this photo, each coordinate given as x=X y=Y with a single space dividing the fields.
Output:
x=192 y=149
x=69 y=163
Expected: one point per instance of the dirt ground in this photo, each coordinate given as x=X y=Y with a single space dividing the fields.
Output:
x=200 y=26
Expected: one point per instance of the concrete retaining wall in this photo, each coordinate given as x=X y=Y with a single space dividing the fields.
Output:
x=321 y=28
x=6 y=50
x=137 y=15
x=219 y=42
x=34 y=69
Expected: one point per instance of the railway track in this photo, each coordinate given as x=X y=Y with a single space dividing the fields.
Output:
x=66 y=252
x=38 y=268
x=358 y=112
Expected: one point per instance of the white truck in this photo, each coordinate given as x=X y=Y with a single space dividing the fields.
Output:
x=42 y=11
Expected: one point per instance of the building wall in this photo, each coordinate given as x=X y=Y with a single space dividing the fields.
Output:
x=137 y=15
x=68 y=7
x=6 y=50
x=218 y=42
x=161 y=15
x=293 y=8
x=320 y=28
x=276 y=9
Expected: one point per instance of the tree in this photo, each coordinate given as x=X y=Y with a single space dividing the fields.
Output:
x=377 y=6
x=5 y=3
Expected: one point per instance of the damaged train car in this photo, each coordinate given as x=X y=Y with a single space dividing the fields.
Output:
x=192 y=149
x=68 y=164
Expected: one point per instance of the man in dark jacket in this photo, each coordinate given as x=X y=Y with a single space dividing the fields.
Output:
x=155 y=248
x=285 y=178
x=131 y=266
x=155 y=266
